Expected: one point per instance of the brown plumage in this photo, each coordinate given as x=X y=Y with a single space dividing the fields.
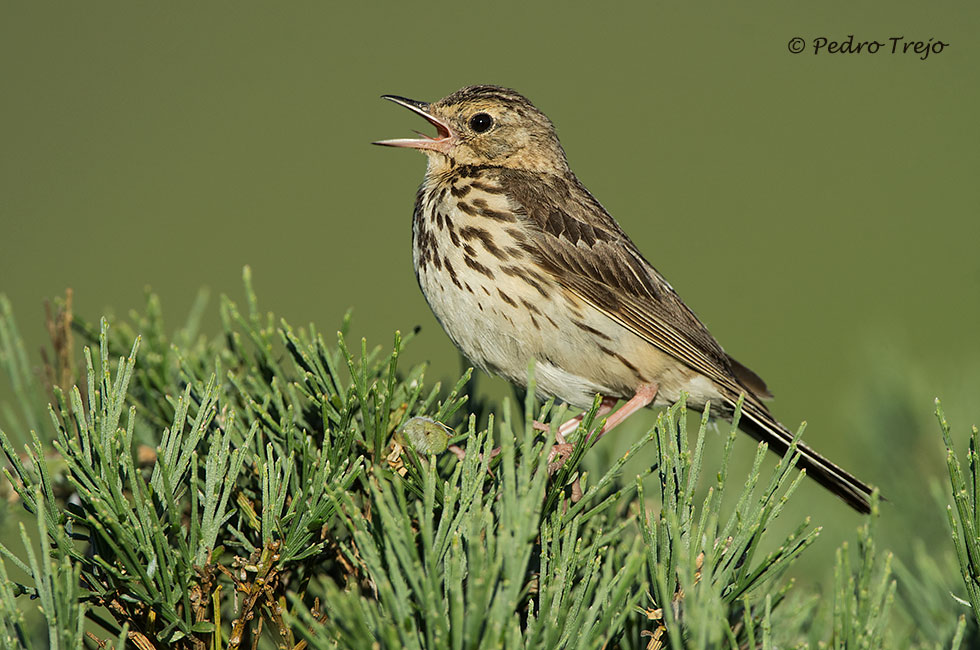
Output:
x=519 y=261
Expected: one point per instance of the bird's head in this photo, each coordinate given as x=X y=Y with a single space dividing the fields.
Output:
x=485 y=125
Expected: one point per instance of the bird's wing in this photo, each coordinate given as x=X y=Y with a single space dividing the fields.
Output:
x=585 y=250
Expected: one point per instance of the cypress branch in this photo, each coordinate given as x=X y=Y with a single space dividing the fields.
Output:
x=275 y=487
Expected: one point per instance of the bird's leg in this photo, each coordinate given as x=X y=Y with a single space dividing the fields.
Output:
x=566 y=427
x=605 y=406
x=643 y=397
x=645 y=394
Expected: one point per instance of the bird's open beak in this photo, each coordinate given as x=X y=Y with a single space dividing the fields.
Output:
x=444 y=135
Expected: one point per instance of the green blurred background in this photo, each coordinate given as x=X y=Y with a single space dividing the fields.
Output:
x=819 y=213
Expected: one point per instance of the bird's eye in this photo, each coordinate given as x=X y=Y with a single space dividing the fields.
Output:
x=481 y=122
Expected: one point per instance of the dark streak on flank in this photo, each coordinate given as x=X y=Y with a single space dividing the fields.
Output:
x=517 y=235
x=623 y=360
x=506 y=298
x=487 y=211
x=454 y=237
x=480 y=209
x=530 y=306
x=460 y=190
x=452 y=273
x=471 y=232
x=479 y=268
x=528 y=276
x=591 y=330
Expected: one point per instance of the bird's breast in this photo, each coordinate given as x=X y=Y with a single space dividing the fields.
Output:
x=480 y=282
x=474 y=260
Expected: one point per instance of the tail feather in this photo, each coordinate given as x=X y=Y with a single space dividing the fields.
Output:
x=761 y=425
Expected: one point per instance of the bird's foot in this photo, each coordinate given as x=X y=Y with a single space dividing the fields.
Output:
x=560 y=453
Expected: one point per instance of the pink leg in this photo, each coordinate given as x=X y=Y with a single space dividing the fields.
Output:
x=605 y=406
x=644 y=396
x=563 y=450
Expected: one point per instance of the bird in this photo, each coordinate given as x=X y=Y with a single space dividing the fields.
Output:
x=519 y=262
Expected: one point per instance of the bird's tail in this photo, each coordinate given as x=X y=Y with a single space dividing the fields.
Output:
x=761 y=425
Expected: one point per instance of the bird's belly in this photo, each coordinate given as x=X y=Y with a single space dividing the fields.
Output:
x=503 y=339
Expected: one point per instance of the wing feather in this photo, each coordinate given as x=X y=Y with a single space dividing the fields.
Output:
x=585 y=250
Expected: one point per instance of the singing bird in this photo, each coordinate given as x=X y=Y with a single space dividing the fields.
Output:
x=518 y=261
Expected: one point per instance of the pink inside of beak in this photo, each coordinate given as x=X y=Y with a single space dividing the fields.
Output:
x=442 y=142
x=441 y=131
